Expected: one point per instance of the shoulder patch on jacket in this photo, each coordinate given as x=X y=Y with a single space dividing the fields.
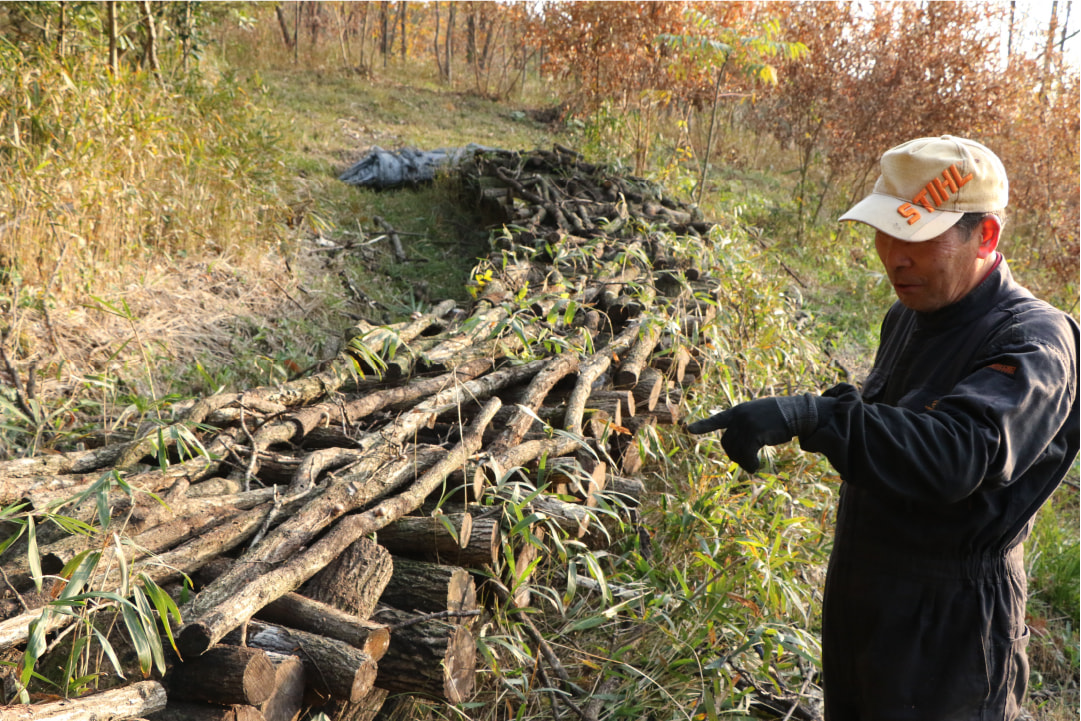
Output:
x=1009 y=370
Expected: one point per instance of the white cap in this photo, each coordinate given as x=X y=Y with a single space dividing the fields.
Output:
x=927 y=184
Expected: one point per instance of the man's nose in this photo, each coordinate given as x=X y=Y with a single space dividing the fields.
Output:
x=897 y=254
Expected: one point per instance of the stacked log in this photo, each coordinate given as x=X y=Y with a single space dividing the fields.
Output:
x=328 y=526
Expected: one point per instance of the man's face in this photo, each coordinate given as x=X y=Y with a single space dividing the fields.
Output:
x=935 y=273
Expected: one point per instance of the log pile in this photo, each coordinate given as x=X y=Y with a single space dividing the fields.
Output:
x=318 y=536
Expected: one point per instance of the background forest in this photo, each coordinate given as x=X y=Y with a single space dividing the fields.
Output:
x=169 y=199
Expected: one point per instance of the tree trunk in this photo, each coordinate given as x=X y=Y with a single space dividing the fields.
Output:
x=448 y=47
x=283 y=26
x=111 y=22
x=61 y=29
x=150 y=52
x=402 y=9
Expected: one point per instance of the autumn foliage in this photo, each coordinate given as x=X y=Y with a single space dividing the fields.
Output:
x=830 y=84
x=879 y=75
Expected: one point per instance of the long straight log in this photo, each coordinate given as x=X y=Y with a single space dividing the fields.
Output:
x=534 y=396
x=298 y=424
x=16 y=630
x=590 y=371
x=630 y=368
x=242 y=600
x=127 y=702
x=187 y=520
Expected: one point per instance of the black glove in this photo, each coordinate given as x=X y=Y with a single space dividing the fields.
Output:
x=764 y=422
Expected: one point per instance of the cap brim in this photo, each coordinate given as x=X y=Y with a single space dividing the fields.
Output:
x=880 y=212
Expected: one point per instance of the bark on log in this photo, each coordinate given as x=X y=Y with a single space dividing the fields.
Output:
x=244 y=599
x=367 y=709
x=647 y=391
x=427 y=538
x=422 y=587
x=302 y=613
x=189 y=711
x=354 y=581
x=534 y=396
x=16 y=630
x=288 y=697
x=224 y=675
x=630 y=368
x=127 y=702
x=430 y=657
x=331 y=667
x=589 y=371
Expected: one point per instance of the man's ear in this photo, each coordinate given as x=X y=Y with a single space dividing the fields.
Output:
x=989 y=230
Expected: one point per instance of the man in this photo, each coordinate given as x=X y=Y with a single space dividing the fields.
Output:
x=964 y=427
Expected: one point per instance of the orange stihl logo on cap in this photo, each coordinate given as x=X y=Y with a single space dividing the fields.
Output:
x=934 y=194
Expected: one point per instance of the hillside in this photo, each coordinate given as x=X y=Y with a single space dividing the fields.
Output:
x=710 y=602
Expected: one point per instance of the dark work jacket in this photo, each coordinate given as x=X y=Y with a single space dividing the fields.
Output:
x=966 y=424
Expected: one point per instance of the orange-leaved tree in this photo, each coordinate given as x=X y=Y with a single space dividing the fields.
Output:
x=876 y=76
x=879 y=75
x=646 y=59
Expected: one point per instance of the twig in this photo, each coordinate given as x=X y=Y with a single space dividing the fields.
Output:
x=395 y=241
x=795 y=704
x=286 y=293
x=253 y=460
x=433 y=616
x=18 y=596
x=21 y=398
x=275 y=509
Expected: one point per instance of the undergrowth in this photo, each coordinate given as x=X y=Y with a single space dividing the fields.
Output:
x=163 y=241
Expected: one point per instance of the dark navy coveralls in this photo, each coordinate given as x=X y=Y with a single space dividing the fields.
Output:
x=965 y=426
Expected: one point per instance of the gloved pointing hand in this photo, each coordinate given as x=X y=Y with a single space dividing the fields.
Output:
x=762 y=422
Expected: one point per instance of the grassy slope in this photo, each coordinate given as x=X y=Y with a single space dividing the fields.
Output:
x=281 y=310
x=334 y=118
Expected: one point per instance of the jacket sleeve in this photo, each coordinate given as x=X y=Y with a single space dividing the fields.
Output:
x=984 y=433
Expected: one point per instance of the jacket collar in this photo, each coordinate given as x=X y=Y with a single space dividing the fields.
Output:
x=979 y=301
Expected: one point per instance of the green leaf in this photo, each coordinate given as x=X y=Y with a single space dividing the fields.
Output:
x=146 y=614
x=33 y=558
x=165 y=606
x=78 y=571
x=137 y=632
x=109 y=652
x=35 y=646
